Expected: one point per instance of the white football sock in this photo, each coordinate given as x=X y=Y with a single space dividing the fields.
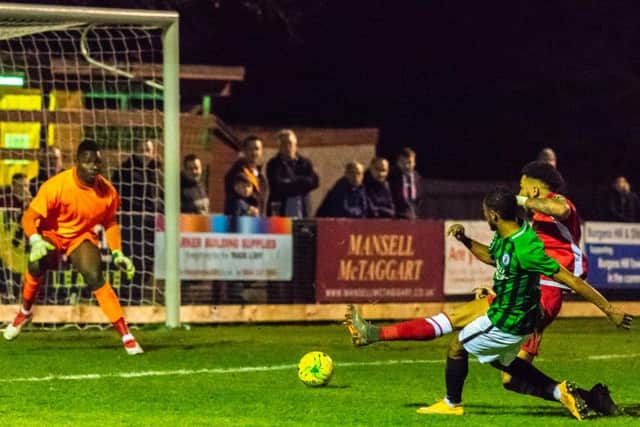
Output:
x=441 y=324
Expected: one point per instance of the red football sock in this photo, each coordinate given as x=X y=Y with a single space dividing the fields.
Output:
x=417 y=329
x=120 y=325
x=30 y=286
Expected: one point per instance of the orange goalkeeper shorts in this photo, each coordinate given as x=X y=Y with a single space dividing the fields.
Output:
x=67 y=245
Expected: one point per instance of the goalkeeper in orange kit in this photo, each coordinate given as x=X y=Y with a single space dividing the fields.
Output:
x=61 y=220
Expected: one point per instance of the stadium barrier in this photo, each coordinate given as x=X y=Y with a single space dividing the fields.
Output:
x=302 y=270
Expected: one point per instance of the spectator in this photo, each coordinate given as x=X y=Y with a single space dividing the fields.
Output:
x=49 y=164
x=193 y=195
x=549 y=156
x=139 y=184
x=17 y=196
x=347 y=198
x=377 y=189
x=250 y=164
x=406 y=185
x=13 y=202
x=622 y=204
x=241 y=202
x=291 y=178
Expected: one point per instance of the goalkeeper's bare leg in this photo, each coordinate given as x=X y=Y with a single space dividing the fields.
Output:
x=86 y=259
x=422 y=329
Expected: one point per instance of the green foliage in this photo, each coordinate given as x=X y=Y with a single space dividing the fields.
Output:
x=194 y=378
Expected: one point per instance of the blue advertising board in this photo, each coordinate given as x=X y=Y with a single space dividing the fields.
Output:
x=613 y=251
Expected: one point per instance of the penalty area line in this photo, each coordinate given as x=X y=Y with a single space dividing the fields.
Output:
x=243 y=369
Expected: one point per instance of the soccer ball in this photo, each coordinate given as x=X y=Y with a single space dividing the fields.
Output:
x=315 y=369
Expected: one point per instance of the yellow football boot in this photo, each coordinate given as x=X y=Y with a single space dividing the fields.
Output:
x=570 y=398
x=441 y=408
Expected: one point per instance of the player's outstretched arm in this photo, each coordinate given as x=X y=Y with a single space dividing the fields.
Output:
x=556 y=207
x=479 y=250
x=585 y=290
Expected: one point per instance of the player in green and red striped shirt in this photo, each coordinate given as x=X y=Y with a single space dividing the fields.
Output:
x=496 y=337
x=556 y=223
x=516 y=281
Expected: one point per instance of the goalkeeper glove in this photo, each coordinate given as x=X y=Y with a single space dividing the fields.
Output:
x=39 y=247
x=124 y=264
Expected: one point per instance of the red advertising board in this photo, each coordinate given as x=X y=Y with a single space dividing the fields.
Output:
x=379 y=261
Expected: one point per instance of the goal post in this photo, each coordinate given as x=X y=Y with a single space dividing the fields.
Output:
x=24 y=20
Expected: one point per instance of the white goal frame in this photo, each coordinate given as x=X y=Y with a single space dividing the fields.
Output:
x=168 y=21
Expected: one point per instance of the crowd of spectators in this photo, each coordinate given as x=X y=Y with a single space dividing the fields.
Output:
x=255 y=186
x=280 y=186
x=283 y=186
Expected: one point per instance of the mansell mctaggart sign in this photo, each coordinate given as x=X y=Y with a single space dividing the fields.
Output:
x=379 y=261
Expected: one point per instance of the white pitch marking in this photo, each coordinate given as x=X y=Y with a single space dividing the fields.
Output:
x=241 y=369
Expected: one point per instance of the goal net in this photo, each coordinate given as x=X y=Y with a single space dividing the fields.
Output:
x=68 y=77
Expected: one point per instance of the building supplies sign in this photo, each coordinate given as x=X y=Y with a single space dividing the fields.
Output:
x=379 y=261
x=462 y=270
x=613 y=251
x=230 y=248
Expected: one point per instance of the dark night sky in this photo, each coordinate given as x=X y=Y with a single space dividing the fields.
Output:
x=477 y=89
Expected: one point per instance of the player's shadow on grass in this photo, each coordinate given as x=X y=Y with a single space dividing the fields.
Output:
x=485 y=409
x=631 y=410
x=206 y=345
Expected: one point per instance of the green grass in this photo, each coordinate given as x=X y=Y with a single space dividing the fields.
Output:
x=211 y=391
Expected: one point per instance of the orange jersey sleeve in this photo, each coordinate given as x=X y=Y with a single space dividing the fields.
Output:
x=114 y=238
x=30 y=221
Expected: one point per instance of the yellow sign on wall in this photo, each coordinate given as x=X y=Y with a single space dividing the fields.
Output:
x=9 y=167
x=20 y=135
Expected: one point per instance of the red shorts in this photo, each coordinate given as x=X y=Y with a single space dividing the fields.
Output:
x=550 y=303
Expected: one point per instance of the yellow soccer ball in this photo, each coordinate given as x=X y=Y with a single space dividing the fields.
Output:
x=315 y=369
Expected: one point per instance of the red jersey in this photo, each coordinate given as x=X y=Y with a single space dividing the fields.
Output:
x=561 y=240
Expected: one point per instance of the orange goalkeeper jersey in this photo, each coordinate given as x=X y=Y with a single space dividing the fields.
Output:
x=70 y=208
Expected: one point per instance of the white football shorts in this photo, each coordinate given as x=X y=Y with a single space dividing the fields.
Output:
x=489 y=343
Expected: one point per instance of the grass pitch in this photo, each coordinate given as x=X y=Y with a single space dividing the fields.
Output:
x=246 y=376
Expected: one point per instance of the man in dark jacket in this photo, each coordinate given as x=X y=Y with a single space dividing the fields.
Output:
x=377 y=189
x=291 y=179
x=347 y=198
x=139 y=183
x=405 y=183
x=622 y=204
x=250 y=164
x=193 y=195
